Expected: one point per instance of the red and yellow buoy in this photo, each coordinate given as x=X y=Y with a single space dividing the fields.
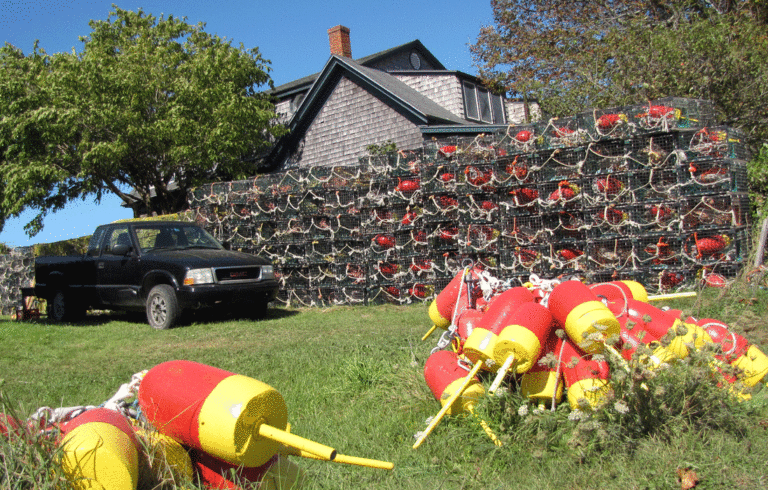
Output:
x=229 y=416
x=587 y=320
x=543 y=384
x=100 y=450
x=457 y=389
x=452 y=300
x=587 y=380
x=521 y=341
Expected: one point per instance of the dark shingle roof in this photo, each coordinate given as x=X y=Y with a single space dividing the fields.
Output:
x=303 y=83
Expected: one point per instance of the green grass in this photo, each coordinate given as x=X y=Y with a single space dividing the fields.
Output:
x=352 y=378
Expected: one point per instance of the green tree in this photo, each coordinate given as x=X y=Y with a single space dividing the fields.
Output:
x=572 y=55
x=148 y=104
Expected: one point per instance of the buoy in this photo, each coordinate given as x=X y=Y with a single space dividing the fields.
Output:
x=747 y=358
x=503 y=307
x=613 y=290
x=586 y=380
x=466 y=323
x=659 y=323
x=632 y=334
x=278 y=473
x=100 y=450
x=587 y=321
x=164 y=460
x=457 y=390
x=521 y=342
x=229 y=416
x=478 y=349
x=453 y=299
x=543 y=384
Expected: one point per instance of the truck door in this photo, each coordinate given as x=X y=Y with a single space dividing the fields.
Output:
x=118 y=274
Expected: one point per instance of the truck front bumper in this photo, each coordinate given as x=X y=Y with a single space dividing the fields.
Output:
x=220 y=294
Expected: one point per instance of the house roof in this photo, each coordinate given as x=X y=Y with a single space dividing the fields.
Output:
x=414 y=106
x=301 y=84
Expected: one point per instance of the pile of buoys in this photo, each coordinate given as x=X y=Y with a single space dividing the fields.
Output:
x=196 y=422
x=578 y=325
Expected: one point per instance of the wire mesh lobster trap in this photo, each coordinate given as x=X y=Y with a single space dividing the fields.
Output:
x=715 y=211
x=561 y=163
x=658 y=250
x=708 y=247
x=610 y=253
x=523 y=230
x=607 y=157
x=651 y=217
x=713 y=176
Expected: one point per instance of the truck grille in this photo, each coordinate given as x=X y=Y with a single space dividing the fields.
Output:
x=238 y=274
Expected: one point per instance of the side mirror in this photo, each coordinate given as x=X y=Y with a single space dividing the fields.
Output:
x=121 y=250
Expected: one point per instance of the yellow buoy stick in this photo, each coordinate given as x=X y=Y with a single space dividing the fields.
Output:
x=662 y=297
x=324 y=452
x=501 y=373
x=447 y=405
x=340 y=458
x=485 y=426
x=426 y=335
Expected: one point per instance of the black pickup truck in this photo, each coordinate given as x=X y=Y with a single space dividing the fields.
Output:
x=161 y=267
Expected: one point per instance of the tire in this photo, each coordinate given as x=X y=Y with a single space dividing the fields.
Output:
x=62 y=308
x=162 y=307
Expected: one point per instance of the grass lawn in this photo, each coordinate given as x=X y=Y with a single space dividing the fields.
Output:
x=352 y=378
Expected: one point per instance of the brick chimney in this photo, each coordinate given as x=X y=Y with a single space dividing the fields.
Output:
x=339 y=38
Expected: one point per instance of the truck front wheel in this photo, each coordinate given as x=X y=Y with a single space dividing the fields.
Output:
x=162 y=307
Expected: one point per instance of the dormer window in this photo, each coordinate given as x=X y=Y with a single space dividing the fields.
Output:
x=482 y=105
x=296 y=102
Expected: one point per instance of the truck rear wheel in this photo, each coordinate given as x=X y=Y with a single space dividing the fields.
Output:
x=62 y=308
x=162 y=307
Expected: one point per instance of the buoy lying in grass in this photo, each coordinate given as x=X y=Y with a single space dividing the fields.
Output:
x=456 y=388
x=521 y=341
x=100 y=450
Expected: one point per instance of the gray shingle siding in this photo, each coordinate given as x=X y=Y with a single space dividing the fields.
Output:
x=350 y=120
x=445 y=90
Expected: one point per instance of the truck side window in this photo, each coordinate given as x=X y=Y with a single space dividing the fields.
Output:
x=118 y=236
x=94 y=242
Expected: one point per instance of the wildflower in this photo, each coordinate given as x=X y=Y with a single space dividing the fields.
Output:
x=598 y=357
x=576 y=415
x=560 y=333
x=549 y=360
x=621 y=407
x=537 y=411
x=418 y=434
x=490 y=362
x=599 y=326
x=523 y=410
x=573 y=362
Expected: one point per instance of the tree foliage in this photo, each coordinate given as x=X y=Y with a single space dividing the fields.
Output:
x=148 y=104
x=572 y=55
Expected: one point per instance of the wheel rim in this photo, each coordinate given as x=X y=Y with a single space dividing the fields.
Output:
x=58 y=306
x=159 y=310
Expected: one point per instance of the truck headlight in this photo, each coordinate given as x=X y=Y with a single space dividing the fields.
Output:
x=198 y=276
x=267 y=272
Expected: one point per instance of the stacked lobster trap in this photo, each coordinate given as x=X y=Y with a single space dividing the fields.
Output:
x=655 y=193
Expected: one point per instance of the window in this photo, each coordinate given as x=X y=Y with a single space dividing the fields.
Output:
x=470 y=101
x=482 y=105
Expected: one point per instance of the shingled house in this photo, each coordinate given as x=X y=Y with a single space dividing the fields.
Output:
x=403 y=94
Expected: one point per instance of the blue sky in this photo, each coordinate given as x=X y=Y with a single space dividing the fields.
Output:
x=291 y=34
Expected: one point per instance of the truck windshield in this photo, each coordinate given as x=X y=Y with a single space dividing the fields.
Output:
x=157 y=237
